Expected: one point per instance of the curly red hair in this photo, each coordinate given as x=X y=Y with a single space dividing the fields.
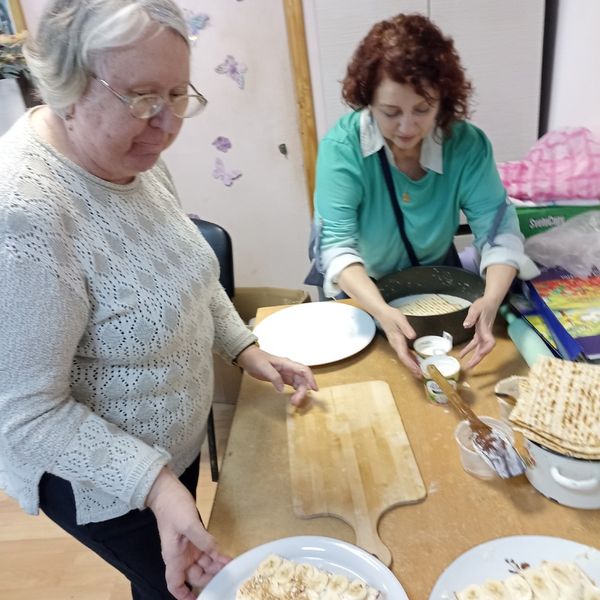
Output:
x=409 y=49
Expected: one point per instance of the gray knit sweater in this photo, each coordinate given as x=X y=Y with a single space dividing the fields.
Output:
x=110 y=307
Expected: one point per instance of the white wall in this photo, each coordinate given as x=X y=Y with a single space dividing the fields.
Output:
x=266 y=210
x=575 y=96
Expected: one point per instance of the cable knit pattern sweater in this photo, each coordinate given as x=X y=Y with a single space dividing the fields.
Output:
x=110 y=308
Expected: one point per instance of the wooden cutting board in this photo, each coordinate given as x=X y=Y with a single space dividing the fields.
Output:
x=350 y=458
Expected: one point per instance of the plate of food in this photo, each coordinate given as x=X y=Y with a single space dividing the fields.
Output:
x=316 y=333
x=524 y=567
x=314 y=567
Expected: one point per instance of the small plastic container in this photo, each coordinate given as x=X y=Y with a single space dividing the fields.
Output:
x=448 y=366
x=432 y=345
x=435 y=394
x=472 y=461
x=510 y=385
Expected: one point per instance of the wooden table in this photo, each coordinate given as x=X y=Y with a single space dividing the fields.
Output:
x=253 y=503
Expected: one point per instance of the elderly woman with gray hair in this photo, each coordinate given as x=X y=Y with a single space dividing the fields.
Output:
x=111 y=305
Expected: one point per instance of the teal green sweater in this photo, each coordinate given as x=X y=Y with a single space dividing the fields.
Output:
x=354 y=213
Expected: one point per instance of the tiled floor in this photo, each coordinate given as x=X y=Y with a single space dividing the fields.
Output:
x=38 y=561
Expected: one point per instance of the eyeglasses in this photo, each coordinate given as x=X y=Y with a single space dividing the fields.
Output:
x=146 y=106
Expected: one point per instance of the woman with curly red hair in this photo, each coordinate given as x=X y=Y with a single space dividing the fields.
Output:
x=394 y=175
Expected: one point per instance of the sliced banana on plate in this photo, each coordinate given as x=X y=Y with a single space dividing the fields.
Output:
x=548 y=581
x=518 y=588
x=473 y=592
x=541 y=585
x=357 y=590
x=278 y=577
x=269 y=565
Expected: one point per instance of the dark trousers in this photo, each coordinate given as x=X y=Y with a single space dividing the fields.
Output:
x=129 y=543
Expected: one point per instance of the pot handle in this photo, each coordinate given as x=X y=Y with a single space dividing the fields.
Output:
x=584 y=485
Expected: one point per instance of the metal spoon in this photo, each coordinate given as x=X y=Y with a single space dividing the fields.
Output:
x=491 y=444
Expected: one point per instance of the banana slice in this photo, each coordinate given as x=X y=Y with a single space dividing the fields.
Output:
x=542 y=586
x=304 y=571
x=518 y=588
x=338 y=583
x=590 y=590
x=269 y=565
x=317 y=580
x=591 y=593
x=566 y=578
x=357 y=590
x=277 y=589
x=284 y=573
x=473 y=592
x=495 y=590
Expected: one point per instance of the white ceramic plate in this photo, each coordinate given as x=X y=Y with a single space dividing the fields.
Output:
x=326 y=553
x=316 y=333
x=496 y=560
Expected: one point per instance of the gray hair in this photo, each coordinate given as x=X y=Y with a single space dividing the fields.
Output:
x=73 y=32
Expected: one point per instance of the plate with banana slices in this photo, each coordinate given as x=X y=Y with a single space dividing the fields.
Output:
x=304 y=568
x=522 y=567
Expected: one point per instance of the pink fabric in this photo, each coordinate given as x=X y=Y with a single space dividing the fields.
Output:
x=563 y=164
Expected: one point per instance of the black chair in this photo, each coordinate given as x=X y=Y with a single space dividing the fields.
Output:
x=220 y=241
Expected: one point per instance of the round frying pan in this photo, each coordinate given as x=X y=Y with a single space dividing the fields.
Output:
x=435 y=280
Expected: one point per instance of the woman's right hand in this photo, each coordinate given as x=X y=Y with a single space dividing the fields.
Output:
x=189 y=551
x=358 y=285
x=398 y=330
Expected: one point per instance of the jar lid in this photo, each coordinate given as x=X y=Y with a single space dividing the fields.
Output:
x=431 y=345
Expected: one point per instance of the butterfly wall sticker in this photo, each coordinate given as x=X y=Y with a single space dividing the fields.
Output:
x=196 y=22
x=223 y=175
x=222 y=143
x=233 y=69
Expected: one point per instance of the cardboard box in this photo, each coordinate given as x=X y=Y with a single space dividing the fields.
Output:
x=537 y=219
x=247 y=300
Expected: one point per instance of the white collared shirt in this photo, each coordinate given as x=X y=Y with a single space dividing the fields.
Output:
x=371 y=141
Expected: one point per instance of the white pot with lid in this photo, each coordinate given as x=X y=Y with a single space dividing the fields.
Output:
x=570 y=481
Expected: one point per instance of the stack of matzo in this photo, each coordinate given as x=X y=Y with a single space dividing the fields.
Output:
x=559 y=407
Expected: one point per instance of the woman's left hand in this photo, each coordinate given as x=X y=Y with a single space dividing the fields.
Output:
x=481 y=315
x=483 y=312
x=279 y=371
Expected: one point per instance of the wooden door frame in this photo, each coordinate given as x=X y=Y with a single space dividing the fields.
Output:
x=294 y=17
x=16 y=13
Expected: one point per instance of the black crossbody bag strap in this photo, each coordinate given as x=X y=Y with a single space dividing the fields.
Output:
x=387 y=174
